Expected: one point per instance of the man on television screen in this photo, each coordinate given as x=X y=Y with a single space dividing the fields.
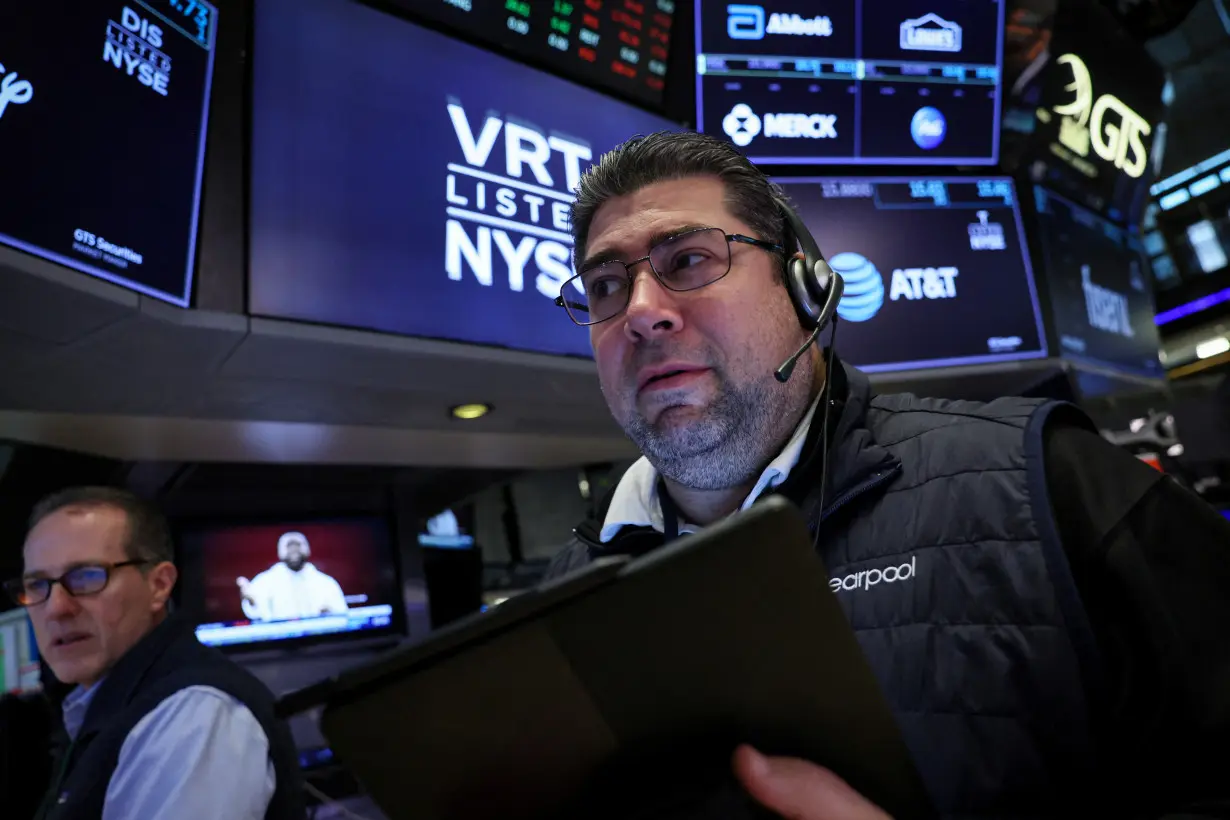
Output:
x=291 y=588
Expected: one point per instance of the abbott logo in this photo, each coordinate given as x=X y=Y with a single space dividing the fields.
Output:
x=868 y=578
x=745 y=22
x=741 y=125
x=13 y=90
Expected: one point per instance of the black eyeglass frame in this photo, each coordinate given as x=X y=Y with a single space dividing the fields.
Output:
x=16 y=587
x=628 y=266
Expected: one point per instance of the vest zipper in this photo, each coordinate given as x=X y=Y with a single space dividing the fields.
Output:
x=882 y=477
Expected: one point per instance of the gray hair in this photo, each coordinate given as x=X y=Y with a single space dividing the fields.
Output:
x=668 y=155
x=149 y=534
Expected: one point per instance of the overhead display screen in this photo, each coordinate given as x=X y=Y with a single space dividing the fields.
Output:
x=852 y=81
x=617 y=45
x=936 y=269
x=1086 y=114
x=1099 y=289
x=103 y=108
x=437 y=209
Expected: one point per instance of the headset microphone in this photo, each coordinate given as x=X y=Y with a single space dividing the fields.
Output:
x=827 y=283
x=783 y=373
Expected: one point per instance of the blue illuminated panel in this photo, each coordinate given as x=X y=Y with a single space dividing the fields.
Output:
x=854 y=82
x=103 y=114
x=936 y=270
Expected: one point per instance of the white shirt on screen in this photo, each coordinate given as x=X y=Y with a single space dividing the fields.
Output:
x=280 y=593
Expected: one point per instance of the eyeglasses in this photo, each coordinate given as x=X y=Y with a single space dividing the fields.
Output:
x=87 y=579
x=684 y=262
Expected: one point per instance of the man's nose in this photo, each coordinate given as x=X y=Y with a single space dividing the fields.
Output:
x=653 y=311
x=60 y=604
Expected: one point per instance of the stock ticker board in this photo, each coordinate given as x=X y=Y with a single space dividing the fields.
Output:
x=103 y=117
x=853 y=82
x=620 y=46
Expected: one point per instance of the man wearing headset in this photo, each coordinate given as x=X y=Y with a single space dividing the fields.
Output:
x=1056 y=642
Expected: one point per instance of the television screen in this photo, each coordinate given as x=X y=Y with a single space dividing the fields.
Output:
x=856 y=82
x=936 y=269
x=1099 y=288
x=252 y=583
x=435 y=208
x=19 y=666
x=103 y=108
x=1086 y=116
x=616 y=46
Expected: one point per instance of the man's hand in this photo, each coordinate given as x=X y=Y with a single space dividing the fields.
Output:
x=798 y=790
x=245 y=589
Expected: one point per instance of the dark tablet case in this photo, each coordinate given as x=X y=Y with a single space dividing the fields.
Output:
x=622 y=691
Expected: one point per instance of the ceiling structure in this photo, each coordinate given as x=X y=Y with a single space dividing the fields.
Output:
x=92 y=367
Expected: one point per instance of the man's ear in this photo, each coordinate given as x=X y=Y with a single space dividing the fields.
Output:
x=161 y=580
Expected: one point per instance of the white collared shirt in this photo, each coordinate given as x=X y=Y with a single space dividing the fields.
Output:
x=636 y=503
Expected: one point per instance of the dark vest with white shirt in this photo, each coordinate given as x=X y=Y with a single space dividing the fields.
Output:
x=162 y=663
x=942 y=549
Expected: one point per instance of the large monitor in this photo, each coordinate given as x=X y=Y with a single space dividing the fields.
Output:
x=617 y=45
x=19 y=658
x=251 y=583
x=889 y=82
x=936 y=269
x=405 y=182
x=103 y=109
x=1085 y=108
x=1100 y=293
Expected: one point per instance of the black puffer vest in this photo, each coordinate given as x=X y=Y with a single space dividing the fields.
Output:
x=941 y=546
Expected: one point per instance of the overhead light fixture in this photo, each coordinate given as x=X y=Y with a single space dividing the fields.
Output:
x=1213 y=347
x=469 y=412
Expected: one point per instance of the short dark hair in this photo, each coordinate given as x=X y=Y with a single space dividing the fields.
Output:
x=667 y=155
x=149 y=534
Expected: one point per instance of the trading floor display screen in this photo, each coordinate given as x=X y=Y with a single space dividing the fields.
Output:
x=615 y=45
x=853 y=82
x=936 y=271
x=103 y=107
x=1100 y=290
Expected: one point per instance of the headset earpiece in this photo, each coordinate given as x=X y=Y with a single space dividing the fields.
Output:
x=814 y=288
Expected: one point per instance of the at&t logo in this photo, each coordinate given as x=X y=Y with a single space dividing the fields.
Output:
x=743 y=125
x=864 y=293
x=13 y=90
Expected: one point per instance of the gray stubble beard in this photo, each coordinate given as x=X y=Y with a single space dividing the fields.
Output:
x=738 y=435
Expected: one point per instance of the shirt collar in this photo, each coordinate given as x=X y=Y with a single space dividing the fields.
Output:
x=75 y=707
x=635 y=502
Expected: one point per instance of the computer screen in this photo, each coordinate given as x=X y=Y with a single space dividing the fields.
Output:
x=255 y=583
x=406 y=182
x=618 y=45
x=1099 y=288
x=936 y=269
x=854 y=82
x=103 y=114
x=19 y=666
